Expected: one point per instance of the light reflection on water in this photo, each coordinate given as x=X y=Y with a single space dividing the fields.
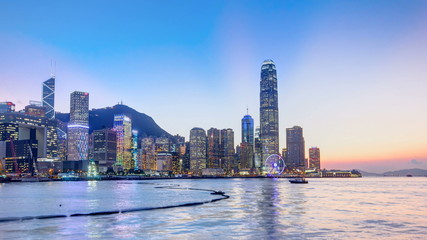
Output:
x=366 y=208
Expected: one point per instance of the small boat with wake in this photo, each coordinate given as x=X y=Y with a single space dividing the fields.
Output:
x=298 y=180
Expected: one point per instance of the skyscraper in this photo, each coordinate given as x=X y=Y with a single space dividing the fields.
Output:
x=48 y=97
x=269 y=111
x=247 y=157
x=123 y=127
x=257 y=149
x=104 y=148
x=314 y=157
x=78 y=127
x=227 y=139
x=248 y=129
x=135 y=157
x=197 y=150
x=295 y=145
x=215 y=148
x=148 y=153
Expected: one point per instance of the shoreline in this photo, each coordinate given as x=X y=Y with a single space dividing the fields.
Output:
x=119 y=178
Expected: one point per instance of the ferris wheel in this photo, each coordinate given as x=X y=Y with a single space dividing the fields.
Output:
x=274 y=165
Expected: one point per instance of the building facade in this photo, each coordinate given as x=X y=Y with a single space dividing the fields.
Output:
x=247 y=147
x=21 y=156
x=314 y=157
x=104 y=148
x=198 y=145
x=48 y=97
x=6 y=107
x=123 y=128
x=78 y=127
x=24 y=127
x=295 y=145
x=269 y=111
x=248 y=129
x=148 y=153
x=228 y=161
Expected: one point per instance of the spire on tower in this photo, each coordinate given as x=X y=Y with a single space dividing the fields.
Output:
x=52 y=68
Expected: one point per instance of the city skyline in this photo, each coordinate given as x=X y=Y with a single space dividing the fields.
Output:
x=370 y=114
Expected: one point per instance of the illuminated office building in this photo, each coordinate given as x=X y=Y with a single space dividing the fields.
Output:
x=227 y=139
x=148 y=153
x=123 y=128
x=21 y=156
x=25 y=127
x=197 y=150
x=220 y=149
x=246 y=155
x=135 y=157
x=163 y=144
x=215 y=149
x=35 y=110
x=104 y=148
x=248 y=129
x=164 y=161
x=78 y=127
x=48 y=97
x=6 y=107
x=269 y=111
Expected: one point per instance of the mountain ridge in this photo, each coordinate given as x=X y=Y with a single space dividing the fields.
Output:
x=402 y=172
x=104 y=118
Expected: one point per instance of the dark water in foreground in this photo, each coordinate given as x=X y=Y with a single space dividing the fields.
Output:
x=365 y=208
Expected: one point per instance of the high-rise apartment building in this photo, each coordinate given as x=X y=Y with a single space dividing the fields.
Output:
x=269 y=111
x=295 y=145
x=48 y=97
x=314 y=157
x=198 y=145
x=78 y=127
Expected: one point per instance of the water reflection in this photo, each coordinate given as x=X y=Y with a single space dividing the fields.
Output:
x=258 y=209
x=268 y=211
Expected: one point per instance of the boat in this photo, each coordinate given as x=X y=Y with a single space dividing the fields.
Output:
x=298 y=180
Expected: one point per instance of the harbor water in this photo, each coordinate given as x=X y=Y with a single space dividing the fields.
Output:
x=352 y=208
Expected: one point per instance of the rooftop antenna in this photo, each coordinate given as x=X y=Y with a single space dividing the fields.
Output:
x=247 y=110
x=52 y=68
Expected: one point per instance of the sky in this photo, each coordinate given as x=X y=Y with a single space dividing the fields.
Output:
x=352 y=74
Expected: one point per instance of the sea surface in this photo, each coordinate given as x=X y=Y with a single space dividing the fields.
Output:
x=357 y=208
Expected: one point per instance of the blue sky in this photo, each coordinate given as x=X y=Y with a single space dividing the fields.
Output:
x=351 y=73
